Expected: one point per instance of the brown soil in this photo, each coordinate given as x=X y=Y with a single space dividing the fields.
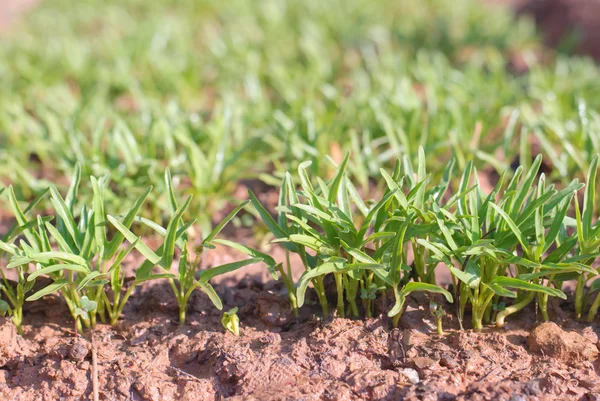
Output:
x=278 y=357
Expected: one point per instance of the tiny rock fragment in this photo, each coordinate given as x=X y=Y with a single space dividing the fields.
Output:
x=423 y=362
x=79 y=350
x=410 y=374
x=448 y=362
x=549 y=339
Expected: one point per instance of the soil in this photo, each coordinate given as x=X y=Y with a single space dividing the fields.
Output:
x=149 y=356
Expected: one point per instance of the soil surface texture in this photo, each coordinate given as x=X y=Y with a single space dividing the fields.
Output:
x=149 y=356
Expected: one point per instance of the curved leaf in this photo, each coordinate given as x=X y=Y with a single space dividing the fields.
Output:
x=56 y=268
x=527 y=286
x=57 y=285
x=418 y=286
x=207 y=274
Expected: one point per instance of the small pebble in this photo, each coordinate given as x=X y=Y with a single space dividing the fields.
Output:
x=448 y=362
x=79 y=350
x=411 y=375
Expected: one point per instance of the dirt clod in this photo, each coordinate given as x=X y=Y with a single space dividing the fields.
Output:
x=79 y=350
x=549 y=339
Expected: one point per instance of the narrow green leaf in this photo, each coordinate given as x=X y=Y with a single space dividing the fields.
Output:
x=418 y=286
x=113 y=245
x=133 y=239
x=524 y=285
x=65 y=215
x=222 y=224
x=212 y=294
x=589 y=198
x=511 y=224
x=208 y=274
x=57 y=285
x=55 y=268
x=87 y=279
x=171 y=235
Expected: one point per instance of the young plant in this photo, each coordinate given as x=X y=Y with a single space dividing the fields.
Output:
x=71 y=249
x=84 y=310
x=329 y=227
x=587 y=245
x=485 y=240
x=438 y=313
x=187 y=278
x=15 y=294
x=231 y=321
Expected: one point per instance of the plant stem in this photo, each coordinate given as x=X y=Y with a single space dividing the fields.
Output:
x=594 y=309
x=351 y=292
x=487 y=315
x=419 y=261
x=320 y=289
x=544 y=307
x=78 y=326
x=181 y=300
x=340 y=294
x=115 y=317
x=289 y=285
x=17 y=320
x=513 y=309
x=477 y=314
x=482 y=300
x=464 y=298
x=438 y=324
x=182 y=308
x=396 y=318
x=579 y=296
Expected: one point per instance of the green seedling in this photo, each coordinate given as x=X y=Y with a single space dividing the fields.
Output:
x=328 y=227
x=88 y=266
x=71 y=249
x=526 y=220
x=438 y=313
x=231 y=321
x=83 y=312
x=411 y=86
x=587 y=244
x=16 y=294
x=175 y=237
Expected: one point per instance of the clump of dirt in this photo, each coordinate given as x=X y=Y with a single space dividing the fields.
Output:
x=548 y=338
x=149 y=356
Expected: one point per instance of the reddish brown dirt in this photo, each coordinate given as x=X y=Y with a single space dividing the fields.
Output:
x=150 y=357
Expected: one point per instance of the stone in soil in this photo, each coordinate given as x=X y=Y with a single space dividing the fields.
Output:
x=549 y=339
